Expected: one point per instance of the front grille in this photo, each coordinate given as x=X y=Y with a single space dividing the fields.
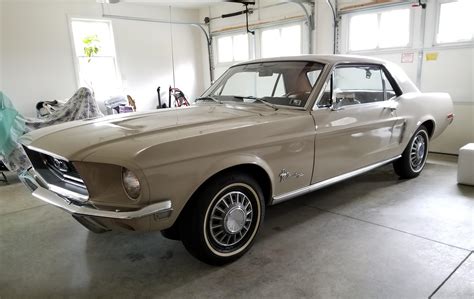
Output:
x=63 y=170
x=60 y=175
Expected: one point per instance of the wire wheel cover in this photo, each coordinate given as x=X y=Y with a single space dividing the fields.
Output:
x=418 y=152
x=231 y=219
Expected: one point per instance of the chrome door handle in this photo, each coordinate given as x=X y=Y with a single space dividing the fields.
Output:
x=391 y=107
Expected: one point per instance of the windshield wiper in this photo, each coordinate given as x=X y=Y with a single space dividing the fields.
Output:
x=259 y=100
x=208 y=98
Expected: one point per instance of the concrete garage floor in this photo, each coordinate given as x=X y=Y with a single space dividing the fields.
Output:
x=371 y=236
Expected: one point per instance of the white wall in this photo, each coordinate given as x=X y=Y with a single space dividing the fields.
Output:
x=37 y=57
x=452 y=72
x=324 y=32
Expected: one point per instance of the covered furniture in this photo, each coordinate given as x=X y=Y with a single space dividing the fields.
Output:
x=3 y=168
x=81 y=105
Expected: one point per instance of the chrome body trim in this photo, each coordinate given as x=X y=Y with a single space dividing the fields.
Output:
x=325 y=183
x=74 y=179
x=68 y=193
x=67 y=178
x=32 y=179
x=46 y=153
x=53 y=179
x=161 y=209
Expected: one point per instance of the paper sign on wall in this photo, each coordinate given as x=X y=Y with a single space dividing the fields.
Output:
x=432 y=56
x=408 y=57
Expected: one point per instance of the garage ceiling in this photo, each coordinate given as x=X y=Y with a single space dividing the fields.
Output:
x=177 y=3
x=180 y=3
x=347 y=4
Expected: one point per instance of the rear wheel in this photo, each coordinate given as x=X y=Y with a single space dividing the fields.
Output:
x=223 y=219
x=414 y=156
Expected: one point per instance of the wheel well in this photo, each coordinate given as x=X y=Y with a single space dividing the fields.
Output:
x=257 y=172
x=429 y=125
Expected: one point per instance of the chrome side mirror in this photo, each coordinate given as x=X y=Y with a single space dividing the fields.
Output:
x=336 y=107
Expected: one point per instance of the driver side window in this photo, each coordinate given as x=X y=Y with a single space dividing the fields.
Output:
x=359 y=84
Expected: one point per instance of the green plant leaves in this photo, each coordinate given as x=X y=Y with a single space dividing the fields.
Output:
x=91 y=46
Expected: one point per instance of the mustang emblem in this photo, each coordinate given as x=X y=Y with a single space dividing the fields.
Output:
x=284 y=175
x=61 y=165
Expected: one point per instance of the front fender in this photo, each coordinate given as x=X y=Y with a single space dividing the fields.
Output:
x=179 y=181
x=236 y=160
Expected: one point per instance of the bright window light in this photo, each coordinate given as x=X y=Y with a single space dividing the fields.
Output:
x=233 y=48
x=363 y=32
x=98 y=71
x=456 y=23
x=240 y=48
x=394 y=30
x=291 y=40
x=270 y=43
x=283 y=41
x=387 y=29
x=224 y=48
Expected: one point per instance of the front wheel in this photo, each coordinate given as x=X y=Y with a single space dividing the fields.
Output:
x=414 y=156
x=223 y=219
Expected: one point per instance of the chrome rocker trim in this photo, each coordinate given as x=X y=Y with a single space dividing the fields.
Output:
x=325 y=183
x=161 y=209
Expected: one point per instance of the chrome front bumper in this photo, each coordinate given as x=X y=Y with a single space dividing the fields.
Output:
x=39 y=190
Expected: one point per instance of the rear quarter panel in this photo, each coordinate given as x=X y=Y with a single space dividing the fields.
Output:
x=417 y=108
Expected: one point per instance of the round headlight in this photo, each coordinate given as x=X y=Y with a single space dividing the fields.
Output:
x=131 y=184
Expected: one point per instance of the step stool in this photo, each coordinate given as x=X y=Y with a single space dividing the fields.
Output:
x=466 y=165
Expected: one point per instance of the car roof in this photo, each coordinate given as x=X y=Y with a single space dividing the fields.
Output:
x=326 y=59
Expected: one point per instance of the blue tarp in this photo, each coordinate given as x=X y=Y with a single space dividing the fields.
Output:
x=12 y=126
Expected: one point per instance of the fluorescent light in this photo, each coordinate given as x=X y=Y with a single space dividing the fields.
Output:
x=107 y=1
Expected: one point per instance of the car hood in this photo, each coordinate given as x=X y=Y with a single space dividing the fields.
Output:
x=135 y=132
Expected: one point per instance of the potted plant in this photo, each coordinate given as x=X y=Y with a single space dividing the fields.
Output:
x=91 y=48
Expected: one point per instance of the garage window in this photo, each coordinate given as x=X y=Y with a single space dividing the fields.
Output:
x=232 y=48
x=281 y=41
x=95 y=57
x=455 y=22
x=380 y=30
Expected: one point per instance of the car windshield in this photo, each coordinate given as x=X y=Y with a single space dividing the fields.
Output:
x=273 y=83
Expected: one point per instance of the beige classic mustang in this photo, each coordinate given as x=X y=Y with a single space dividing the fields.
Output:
x=266 y=131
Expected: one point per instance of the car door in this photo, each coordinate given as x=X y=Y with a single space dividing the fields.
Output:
x=355 y=118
